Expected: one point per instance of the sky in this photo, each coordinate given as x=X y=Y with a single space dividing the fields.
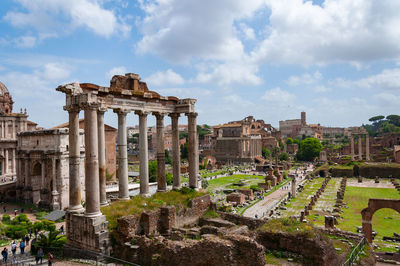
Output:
x=337 y=60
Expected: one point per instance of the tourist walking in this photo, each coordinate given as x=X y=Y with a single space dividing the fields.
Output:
x=4 y=253
x=39 y=256
x=50 y=259
x=14 y=247
x=62 y=229
x=36 y=232
x=22 y=247
x=27 y=240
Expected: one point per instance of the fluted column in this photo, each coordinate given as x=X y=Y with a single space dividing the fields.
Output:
x=176 y=157
x=193 y=150
x=43 y=172
x=367 y=147
x=360 y=147
x=5 y=161
x=122 y=155
x=54 y=192
x=161 y=181
x=14 y=167
x=75 y=196
x=13 y=129
x=102 y=156
x=91 y=162
x=352 y=147
x=143 y=154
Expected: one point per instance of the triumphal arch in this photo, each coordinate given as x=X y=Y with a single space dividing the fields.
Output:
x=87 y=227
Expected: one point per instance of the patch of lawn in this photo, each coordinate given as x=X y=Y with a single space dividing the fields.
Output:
x=137 y=205
x=224 y=182
x=357 y=199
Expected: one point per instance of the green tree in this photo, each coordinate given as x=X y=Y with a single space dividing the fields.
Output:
x=266 y=153
x=309 y=149
x=376 y=119
x=153 y=171
x=168 y=159
x=184 y=151
x=394 y=119
x=169 y=178
x=289 y=141
x=52 y=240
x=284 y=156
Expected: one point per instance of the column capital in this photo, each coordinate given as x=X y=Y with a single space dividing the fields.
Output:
x=102 y=110
x=121 y=111
x=173 y=115
x=159 y=115
x=194 y=114
x=72 y=108
x=90 y=105
x=141 y=113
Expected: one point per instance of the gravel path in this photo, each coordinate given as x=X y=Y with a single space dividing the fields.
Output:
x=261 y=207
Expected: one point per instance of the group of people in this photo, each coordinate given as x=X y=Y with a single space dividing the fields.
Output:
x=38 y=258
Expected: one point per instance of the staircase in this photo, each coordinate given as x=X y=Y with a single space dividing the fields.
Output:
x=23 y=260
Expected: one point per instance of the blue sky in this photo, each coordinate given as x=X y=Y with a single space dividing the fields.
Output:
x=338 y=60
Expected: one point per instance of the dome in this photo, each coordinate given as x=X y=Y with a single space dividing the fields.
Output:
x=3 y=89
x=6 y=102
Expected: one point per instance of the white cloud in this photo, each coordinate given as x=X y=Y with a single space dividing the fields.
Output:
x=277 y=96
x=247 y=31
x=165 y=78
x=337 y=31
x=230 y=73
x=234 y=101
x=388 y=79
x=50 y=18
x=306 y=79
x=25 y=41
x=196 y=93
x=120 y=70
x=386 y=99
x=181 y=30
x=321 y=89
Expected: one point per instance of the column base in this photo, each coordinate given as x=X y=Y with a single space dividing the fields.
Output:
x=87 y=233
x=145 y=195
x=177 y=187
x=54 y=206
x=76 y=209
x=92 y=214
x=103 y=204
x=162 y=190
x=124 y=198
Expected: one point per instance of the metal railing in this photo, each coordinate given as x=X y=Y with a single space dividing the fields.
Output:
x=355 y=252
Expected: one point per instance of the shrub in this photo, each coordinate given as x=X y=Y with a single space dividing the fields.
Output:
x=48 y=225
x=6 y=218
x=254 y=188
x=170 y=178
x=210 y=214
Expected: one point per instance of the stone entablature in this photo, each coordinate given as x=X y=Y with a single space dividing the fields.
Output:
x=43 y=167
x=126 y=94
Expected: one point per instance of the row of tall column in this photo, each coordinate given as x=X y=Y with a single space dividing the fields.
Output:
x=95 y=163
x=7 y=153
x=360 y=154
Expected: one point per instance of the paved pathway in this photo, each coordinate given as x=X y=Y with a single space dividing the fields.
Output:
x=262 y=207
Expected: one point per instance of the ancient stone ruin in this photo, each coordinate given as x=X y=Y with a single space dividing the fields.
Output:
x=87 y=227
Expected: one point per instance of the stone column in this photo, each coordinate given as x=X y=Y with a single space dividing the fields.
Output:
x=193 y=150
x=14 y=168
x=161 y=181
x=294 y=186
x=54 y=192
x=143 y=154
x=122 y=155
x=102 y=156
x=6 y=129
x=91 y=162
x=367 y=147
x=2 y=129
x=176 y=157
x=43 y=172
x=352 y=147
x=360 y=147
x=27 y=183
x=75 y=196
x=13 y=129
x=5 y=161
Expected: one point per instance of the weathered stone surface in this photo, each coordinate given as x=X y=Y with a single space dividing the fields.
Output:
x=127 y=227
x=217 y=222
x=318 y=250
x=232 y=250
x=252 y=223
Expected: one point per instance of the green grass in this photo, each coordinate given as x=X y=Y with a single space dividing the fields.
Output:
x=210 y=214
x=224 y=182
x=291 y=226
x=137 y=205
x=39 y=215
x=357 y=199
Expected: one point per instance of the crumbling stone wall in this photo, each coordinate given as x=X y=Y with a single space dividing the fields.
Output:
x=336 y=172
x=251 y=223
x=212 y=250
x=316 y=250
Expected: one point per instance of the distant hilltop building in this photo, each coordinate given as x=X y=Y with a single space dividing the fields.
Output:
x=299 y=128
x=242 y=141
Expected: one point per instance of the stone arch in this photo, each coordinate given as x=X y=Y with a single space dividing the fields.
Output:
x=373 y=206
x=37 y=169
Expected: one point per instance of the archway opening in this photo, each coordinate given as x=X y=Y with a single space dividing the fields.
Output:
x=385 y=222
x=37 y=169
